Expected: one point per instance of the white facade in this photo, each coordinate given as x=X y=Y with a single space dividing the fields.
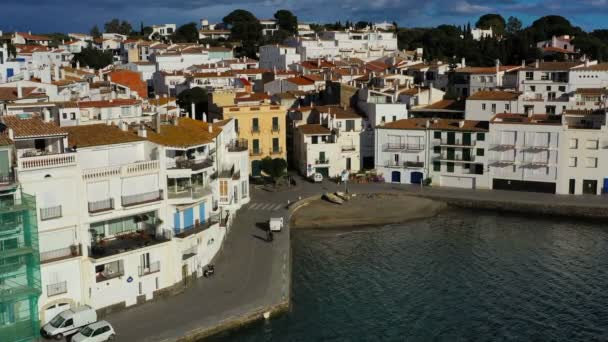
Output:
x=162 y=31
x=278 y=57
x=479 y=34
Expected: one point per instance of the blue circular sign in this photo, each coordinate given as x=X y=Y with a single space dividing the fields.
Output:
x=130 y=279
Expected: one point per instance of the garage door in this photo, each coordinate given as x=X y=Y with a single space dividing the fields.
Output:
x=458 y=182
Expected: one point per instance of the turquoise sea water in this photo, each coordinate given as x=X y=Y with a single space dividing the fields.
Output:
x=461 y=276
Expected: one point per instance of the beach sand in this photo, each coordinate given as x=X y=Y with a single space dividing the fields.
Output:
x=365 y=210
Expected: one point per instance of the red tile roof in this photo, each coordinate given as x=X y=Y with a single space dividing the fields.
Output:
x=31 y=127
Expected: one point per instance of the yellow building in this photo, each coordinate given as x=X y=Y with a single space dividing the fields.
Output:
x=263 y=127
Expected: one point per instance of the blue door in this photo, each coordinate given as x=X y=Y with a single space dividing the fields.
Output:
x=416 y=177
x=396 y=177
x=176 y=226
x=605 y=185
x=10 y=72
x=189 y=218
x=201 y=213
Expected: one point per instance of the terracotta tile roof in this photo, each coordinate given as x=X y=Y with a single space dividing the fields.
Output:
x=412 y=91
x=553 y=66
x=161 y=101
x=456 y=105
x=214 y=31
x=213 y=74
x=340 y=112
x=251 y=71
x=260 y=97
x=301 y=81
x=28 y=49
x=523 y=119
x=592 y=91
x=218 y=49
x=186 y=133
x=495 y=95
x=98 y=135
x=313 y=129
x=438 y=124
x=33 y=36
x=10 y=94
x=558 y=50
x=596 y=67
x=4 y=140
x=585 y=111
x=376 y=66
x=315 y=65
x=486 y=70
x=31 y=127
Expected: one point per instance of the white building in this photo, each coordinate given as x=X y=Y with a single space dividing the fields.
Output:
x=269 y=26
x=479 y=34
x=483 y=105
x=162 y=31
x=278 y=57
x=524 y=152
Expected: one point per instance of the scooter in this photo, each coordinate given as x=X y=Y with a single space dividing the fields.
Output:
x=209 y=271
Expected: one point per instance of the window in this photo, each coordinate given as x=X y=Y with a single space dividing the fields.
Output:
x=275 y=124
x=548 y=88
x=450 y=167
x=437 y=135
x=481 y=136
x=437 y=149
x=507 y=107
x=73 y=116
x=383 y=119
x=480 y=152
x=573 y=143
x=562 y=88
x=493 y=107
x=275 y=145
x=65 y=116
x=532 y=88
x=256 y=146
x=544 y=76
x=255 y=124
x=436 y=166
x=244 y=189
x=322 y=157
x=236 y=125
x=591 y=144
x=572 y=162
x=483 y=106
x=591 y=162
x=315 y=139
x=529 y=75
x=350 y=125
x=550 y=110
x=223 y=190
x=394 y=118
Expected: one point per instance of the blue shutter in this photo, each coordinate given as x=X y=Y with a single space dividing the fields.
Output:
x=176 y=226
x=10 y=72
x=189 y=218
x=201 y=213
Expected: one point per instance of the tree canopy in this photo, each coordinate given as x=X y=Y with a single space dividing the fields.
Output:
x=117 y=26
x=246 y=28
x=94 y=58
x=196 y=95
x=287 y=21
x=494 y=21
x=275 y=168
x=95 y=32
x=187 y=33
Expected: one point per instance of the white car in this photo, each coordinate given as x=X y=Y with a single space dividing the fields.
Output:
x=96 y=332
x=317 y=177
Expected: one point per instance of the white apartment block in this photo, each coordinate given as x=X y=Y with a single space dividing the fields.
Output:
x=524 y=152
x=483 y=105
x=269 y=26
x=479 y=34
x=331 y=144
x=162 y=31
x=452 y=153
x=278 y=57
x=124 y=212
x=469 y=80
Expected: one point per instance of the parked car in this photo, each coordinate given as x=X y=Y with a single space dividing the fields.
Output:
x=317 y=177
x=68 y=322
x=276 y=224
x=97 y=332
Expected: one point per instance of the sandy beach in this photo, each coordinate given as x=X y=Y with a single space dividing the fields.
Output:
x=365 y=210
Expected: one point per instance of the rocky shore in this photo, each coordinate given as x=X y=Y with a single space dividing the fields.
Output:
x=364 y=210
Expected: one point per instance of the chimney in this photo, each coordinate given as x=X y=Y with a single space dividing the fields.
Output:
x=461 y=123
x=430 y=97
x=537 y=64
x=46 y=115
x=204 y=117
x=19 y=90
x=463 y=62
x=497 y=66
x=210 y=128
x=523 y=63
x=586 y=62
x=176 y=121
x=193 y=109
x=78 y=65
x=142 y=132
x=157 y=123
x=123 y=126
x=56 y=72
x=112 y=95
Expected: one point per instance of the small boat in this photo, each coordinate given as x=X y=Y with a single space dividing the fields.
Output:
x=333 y=198
x=343 y=196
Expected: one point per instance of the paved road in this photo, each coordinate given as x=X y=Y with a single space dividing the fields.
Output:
x=247 y=268
x=249 y=275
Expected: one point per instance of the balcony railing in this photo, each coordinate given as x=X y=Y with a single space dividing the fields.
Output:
x=456 y=142
x=197 y=228
x=107 y=275
x=101 y=206
x=275 y=151
x=536 y=148
x=47 y=161
x=57 y=289
x=275 y=129
x=405 y=164
x=348 y=148
x=139 y=168
x=456 y=158
x=322 y=161
x=61 y=254
x=194 y=164
x=152 y=268
x=7 y=179
x=50 y=213
x=146 y=197
x=402 y=147
x=238 y=145
x=255 y=152
x=255 y=130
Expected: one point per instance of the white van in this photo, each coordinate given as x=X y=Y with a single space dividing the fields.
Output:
x=68 y=322
x=276 y=224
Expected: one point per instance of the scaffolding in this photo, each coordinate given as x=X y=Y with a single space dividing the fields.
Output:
x=19 y=268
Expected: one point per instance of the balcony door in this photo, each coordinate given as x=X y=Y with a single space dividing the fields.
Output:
x=451 y=138
x=466 y=139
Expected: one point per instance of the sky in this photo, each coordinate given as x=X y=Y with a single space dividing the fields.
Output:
x=80 y=15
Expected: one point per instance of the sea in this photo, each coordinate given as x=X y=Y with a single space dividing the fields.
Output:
x=460 y=276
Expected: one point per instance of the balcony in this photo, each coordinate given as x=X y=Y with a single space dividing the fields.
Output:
x=322 y=161
x=275 y=129
x=455 y=158
x=7 y=180
x=536 y=148
x=128 y=170
x=255 y=130
x=276 y=151
x=456 y=143
x=101 y=206
x=46 y=161
x=502 y=147
x=238 y=145
x=152 y=268
x=147 y=197
x=535 y=164
x=254 y=152
x=127 y=242
x=50 y=213
x=193 y=164
x=190 y=192
x=61 y=254
x=404 y=165
x=57 y=289
x=501 y=163
x=197 y=228
x=397 y=147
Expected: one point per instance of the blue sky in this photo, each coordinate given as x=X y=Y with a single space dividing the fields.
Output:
x=81 y=15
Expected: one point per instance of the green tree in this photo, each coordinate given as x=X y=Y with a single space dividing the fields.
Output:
x=187 y=33
x=116 y=26
x=275 y=168
x=95 y=31
x=361 y=25
x=514 y=25
x=494 y=21
x=246 y=28
x=93 y=58
x=195 y=95
x=287 y=21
